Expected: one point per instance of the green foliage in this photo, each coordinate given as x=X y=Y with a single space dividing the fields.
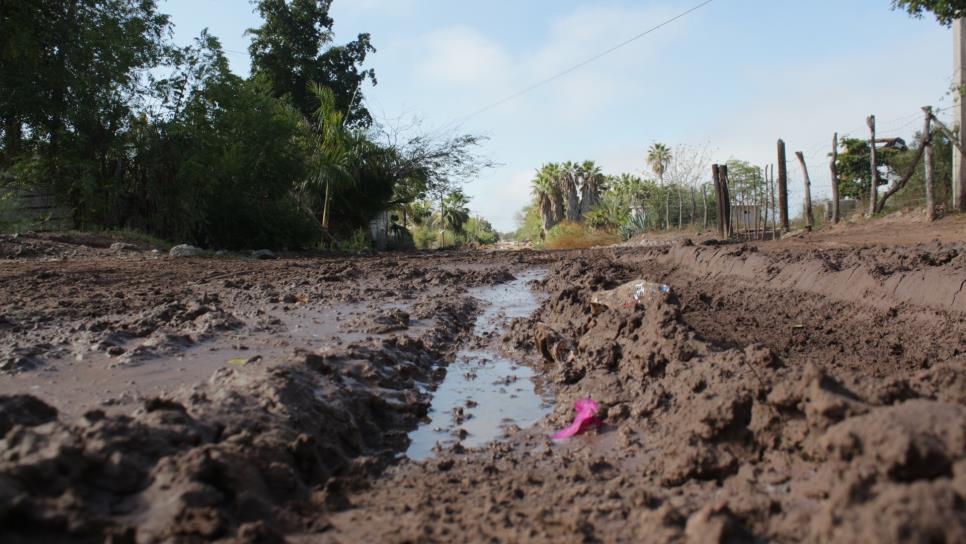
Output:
x=201 y=155
x=291 y=50
x=423 y=236
x=419 y=212
x=610 y=213
x=946 y=11
x=854 y=168
x=454 y=212
x=358 y=241
x=659 y=158
x=914 y=193
x=529 y=227
x=480 y=230
x=634 y=226
x=566 y=191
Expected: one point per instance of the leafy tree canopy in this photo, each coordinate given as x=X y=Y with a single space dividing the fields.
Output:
x=946 y=11
x=291 y=49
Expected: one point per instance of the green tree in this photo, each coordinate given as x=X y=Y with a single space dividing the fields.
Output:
x=853 y=167
x=292 y=48
x=659 y=158
x=454 y=212
x=591 y=186
x=946 y=11
x=72 y=73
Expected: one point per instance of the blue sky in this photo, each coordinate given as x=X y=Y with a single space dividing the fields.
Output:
x=735 y=75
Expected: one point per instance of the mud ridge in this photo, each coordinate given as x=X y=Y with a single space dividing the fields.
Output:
x=702 y=443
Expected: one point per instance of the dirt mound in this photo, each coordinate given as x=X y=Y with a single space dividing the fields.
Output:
x=703 y=442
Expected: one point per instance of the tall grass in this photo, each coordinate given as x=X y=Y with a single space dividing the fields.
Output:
x=570 y=235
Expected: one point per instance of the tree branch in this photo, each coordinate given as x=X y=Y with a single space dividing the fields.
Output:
x=901 y=182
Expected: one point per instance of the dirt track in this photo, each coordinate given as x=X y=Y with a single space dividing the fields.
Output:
x=791 y=392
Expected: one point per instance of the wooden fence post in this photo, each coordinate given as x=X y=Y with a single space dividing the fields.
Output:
x=835 y=178
x=874 y=166
x=809 y=220
x=928 y=166
x=704 y=202
x=782 y=185
x=718 y=198
x=727 y=200
x=766 y=202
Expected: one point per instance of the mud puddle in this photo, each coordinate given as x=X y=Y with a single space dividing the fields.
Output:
x=485 y=391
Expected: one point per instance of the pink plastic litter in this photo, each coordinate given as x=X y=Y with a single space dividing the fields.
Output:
x=586 y=410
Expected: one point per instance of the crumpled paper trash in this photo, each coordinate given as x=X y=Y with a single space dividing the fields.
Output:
x=629 y=295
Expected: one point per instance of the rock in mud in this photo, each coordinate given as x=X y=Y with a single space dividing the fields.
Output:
x=263 y=254
x=185 y=250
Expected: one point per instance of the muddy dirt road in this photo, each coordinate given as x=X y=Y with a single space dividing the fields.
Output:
x=781 y=393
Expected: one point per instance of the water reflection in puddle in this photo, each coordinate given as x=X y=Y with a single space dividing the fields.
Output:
x=483 y=390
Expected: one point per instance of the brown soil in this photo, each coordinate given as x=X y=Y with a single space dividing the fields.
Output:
x=805 y=390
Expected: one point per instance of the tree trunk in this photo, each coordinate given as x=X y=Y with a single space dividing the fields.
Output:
x=809 y=220
x=874 y=167
x=667 y=209
x=959 y=81
x=680 y=208
x=573 y=201
x=782 y=186
x=691 y=217
x=589 y=197
x=718 y=199
x=835 y=178
x=765 y=201
x=927 y=166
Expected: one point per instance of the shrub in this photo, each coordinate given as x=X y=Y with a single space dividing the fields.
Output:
x=635 y=224
x=423 y=236
x=359 y=241
x=570 y=235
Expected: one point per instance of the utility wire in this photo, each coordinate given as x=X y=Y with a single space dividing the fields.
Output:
x=558 y=75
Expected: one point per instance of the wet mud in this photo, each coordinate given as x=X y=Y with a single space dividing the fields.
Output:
x=757 y=399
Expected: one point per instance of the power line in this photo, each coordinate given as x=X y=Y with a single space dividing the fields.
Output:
x=558 y=75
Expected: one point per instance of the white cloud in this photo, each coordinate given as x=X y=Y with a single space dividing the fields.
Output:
x=462 y=56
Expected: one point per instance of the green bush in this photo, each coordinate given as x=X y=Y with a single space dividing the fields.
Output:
x=635 y=225
x=359 y=241
x=423 y=236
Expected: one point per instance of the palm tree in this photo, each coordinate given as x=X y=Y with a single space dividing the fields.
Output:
x=591 y=186
x=543 y=188
x=558 y=206
x=454 y=212
x=659 y=158
x=333 y=153
x=568 y=179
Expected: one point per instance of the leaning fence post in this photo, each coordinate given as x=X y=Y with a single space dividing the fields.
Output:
x=809 y=221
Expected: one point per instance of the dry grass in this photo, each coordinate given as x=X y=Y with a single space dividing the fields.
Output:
x=570 y=235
